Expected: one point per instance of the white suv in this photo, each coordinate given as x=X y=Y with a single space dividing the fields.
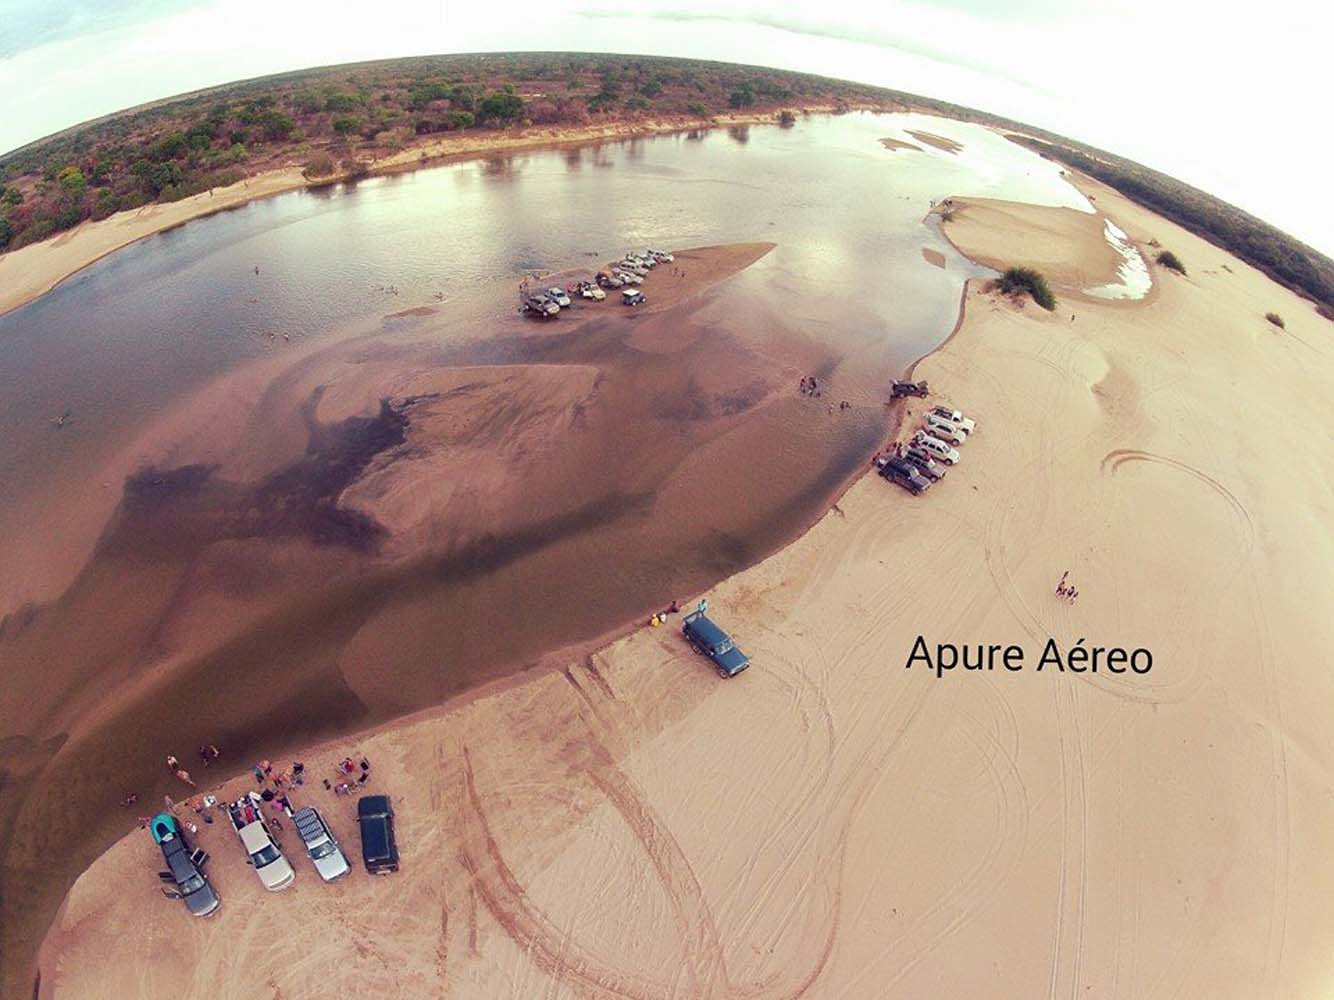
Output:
x=936 y=446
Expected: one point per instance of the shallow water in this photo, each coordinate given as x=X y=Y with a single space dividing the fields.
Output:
x=693 y=487
x=1132 y=274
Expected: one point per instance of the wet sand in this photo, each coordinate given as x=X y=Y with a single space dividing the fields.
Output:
x=394 y=518
x=1069 y=247
x=829 y=824
x=938 y=141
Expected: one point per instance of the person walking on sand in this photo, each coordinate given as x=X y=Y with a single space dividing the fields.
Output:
x=1060 y=586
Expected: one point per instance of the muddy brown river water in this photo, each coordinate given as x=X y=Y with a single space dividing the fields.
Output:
x=276 y=515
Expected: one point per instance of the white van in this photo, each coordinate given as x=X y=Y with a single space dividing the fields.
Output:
x=936 y=446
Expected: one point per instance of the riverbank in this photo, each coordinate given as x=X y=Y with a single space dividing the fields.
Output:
x=832 y=824
x=32 y=271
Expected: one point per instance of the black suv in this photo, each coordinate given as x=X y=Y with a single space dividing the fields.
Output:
x=378 y=848
x=903 y=472
x=185 y=868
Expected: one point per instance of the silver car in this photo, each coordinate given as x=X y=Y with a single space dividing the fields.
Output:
x=325 y=854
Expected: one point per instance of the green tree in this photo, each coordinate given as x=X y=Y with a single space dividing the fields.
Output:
x=339 y=103
x=503 y=105
x=169 y=147
x=742 y=97
x=6 y=232
x=72 y=181
x=275 y=125
x=461 y=119
x=346 y=124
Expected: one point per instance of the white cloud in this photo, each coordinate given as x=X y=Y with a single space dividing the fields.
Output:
x=1228 y=99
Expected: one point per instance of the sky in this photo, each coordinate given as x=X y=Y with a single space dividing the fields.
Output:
x=1229 y=97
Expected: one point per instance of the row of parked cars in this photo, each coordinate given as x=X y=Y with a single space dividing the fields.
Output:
x=185 y=866
x=625 y=274
x=931 y=450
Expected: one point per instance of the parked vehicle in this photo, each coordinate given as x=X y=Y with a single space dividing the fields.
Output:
x=936 y=447
x=629 y=278
x=275 y=871
x=903 y=472
x=378 y=849
x=632 y=297
x=591 y=291
x=711 y=641
x=606 y=280
x=541 y=307
x=185 y=868
x=925 y=463
x=662 y=257
x=901 y=389
x=643 y=258
x=633 y=266
x=558 y=296
x=323 y=849
x=944 y=429
x=955 y=417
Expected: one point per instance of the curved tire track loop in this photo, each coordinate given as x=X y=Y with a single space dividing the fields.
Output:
x=552 y=949
x=1005 y=845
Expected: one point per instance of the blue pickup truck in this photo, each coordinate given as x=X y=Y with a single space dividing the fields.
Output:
x=713 y=642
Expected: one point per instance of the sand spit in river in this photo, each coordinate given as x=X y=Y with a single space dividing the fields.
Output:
x=829 y=824
x=395 y=517
x=939 y=141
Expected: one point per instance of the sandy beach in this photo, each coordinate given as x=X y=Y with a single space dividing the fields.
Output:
x=834 y=823
x=32 y=271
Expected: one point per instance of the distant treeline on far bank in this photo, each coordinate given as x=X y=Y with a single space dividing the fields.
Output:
x=333 y=122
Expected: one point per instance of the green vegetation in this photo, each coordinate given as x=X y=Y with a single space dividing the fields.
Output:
x=175 y=148
x=1276 y=319
x=338 y=120
x=1025 y=279
x=1285 y=259
x=1168 y=259
x=787 y=118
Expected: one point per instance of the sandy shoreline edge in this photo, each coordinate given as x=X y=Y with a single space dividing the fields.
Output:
x=28 y=273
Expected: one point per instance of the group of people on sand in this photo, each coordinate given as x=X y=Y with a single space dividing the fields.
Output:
x=810 y=387
x=660 y=618
x=347 y=767
x=1066 y=590
x=208 y=753
x=274 y=785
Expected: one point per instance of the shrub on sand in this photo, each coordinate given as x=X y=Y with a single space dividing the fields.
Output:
x=1276 y=319
x=1025 y=279
x=1168 y=259
x=319 y=165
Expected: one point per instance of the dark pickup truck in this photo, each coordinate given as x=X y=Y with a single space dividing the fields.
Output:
x=378 y=848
